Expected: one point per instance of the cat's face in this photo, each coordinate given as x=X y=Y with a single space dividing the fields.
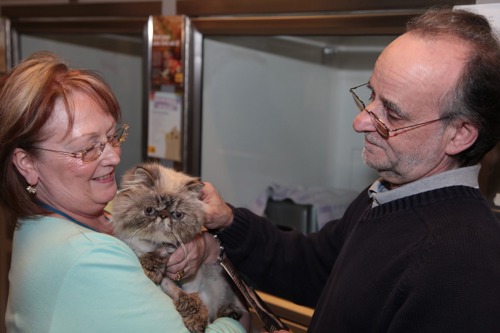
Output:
x=158 y=204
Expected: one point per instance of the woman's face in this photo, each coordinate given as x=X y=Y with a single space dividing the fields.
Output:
x=67 y=183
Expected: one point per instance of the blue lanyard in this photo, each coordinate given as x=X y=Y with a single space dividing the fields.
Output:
x=57 y=211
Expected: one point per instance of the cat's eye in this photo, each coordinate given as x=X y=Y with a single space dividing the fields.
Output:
x=177 y=215
x=150 y=211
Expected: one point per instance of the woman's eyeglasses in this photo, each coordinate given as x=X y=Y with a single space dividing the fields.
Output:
x=363 y=92
x=93 y=152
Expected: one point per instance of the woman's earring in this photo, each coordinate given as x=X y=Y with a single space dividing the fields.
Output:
x=31 y=189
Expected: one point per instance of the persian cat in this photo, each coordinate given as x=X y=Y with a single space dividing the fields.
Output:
x=157 y=210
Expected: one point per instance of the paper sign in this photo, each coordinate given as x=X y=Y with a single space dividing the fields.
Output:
x=164 y=136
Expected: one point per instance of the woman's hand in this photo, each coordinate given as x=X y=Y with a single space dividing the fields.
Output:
x=186 y=260
x=203 y=248
x=218 y=215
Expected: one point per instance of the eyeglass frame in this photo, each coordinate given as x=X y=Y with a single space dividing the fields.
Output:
x=385 y=131
x=81 y=153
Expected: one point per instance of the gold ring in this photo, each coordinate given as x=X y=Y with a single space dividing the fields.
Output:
x=180 y=274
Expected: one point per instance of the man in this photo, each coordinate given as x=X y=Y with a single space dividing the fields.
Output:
x=419 y=250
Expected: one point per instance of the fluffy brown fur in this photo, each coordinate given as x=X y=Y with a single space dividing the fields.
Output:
x=157 y=210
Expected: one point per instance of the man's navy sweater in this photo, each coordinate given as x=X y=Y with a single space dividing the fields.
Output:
x=429 y=262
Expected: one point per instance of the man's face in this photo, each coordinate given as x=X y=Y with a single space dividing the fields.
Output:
x=410 y=80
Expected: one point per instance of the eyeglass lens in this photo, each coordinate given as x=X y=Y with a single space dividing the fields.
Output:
x=379 y=125
x=115 y=140
x=362 y=97
x=119 y=136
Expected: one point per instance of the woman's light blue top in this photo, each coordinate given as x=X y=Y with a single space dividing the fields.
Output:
x=66 y=278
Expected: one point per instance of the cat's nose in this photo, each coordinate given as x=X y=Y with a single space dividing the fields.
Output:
x=164 y=214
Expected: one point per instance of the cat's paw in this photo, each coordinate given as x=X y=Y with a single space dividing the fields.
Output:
x=229 y=310
x=194 y=313
x=153 y=266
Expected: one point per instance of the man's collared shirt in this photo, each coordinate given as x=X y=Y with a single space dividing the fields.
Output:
x=466 y=176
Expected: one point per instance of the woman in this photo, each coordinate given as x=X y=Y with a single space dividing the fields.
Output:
x=59 y=146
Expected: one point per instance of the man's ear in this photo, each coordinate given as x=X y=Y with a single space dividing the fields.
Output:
x=25 y=165
x=463 y=136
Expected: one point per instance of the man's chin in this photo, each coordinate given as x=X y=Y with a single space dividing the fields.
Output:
x=370 y=160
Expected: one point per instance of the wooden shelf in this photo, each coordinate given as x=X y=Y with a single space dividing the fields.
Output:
x=295 y=316
x=201 y=8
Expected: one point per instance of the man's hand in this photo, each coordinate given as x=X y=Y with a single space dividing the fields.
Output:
x=219 y=214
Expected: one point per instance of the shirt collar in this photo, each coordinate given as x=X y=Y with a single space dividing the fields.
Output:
x=466 y=176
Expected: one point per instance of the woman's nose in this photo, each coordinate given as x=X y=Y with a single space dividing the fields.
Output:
x=111 y=154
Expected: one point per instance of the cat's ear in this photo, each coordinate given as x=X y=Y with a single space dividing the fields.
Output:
x=144 y=176
x=195 y=185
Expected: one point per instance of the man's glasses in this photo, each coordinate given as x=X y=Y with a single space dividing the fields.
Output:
x=364 y=93
x=93 y=152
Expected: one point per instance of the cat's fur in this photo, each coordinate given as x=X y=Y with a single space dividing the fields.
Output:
x=157 y=210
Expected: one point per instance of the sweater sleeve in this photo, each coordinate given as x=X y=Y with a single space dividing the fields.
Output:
x=285 y=263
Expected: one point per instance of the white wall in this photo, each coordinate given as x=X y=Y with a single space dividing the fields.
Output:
x=272 y=119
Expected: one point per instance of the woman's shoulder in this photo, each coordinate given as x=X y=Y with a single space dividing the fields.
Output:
x=57 y=240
